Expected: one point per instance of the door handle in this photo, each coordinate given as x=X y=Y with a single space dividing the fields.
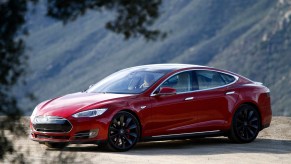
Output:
x=230 y=93
x=189 y=98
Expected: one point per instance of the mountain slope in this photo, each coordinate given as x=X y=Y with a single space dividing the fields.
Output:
x=266 y=56
x=248 y=37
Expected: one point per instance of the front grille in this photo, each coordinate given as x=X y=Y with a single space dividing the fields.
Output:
x=51 y=124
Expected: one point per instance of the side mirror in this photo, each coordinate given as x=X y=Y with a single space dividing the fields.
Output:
x=88 y=88
x=167 y=91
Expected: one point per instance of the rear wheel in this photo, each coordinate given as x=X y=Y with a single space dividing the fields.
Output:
x=245 y=124
x=55 y=145
x=124 y=132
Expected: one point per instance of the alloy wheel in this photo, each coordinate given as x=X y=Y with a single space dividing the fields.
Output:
x=246 y=124
x=123 y=131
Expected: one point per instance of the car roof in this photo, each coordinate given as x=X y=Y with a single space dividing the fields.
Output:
x=166 y=67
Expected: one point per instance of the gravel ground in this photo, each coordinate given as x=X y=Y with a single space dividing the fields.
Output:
x=273 y=145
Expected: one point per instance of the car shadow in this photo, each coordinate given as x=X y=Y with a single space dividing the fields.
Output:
x=203 y=146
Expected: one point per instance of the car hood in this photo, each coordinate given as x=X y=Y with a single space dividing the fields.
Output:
x=69 y=104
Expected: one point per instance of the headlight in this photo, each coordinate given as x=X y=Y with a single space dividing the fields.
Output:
x=33 y=113
x=90 y=113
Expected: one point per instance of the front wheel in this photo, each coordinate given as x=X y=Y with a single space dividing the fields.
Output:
x=124 y=132
x=245 y=124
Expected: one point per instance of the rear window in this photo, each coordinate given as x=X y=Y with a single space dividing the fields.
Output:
x=227 y=78
x=209 y=79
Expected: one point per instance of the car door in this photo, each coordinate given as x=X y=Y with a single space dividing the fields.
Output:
x=212 y=100
x=171 y=114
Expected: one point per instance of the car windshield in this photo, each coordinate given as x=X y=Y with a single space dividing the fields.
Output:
x=128 y=81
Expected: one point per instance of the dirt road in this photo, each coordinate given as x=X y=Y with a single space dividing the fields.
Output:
x=273 y=145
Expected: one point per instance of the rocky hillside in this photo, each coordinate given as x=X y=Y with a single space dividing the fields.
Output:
x=249 y=37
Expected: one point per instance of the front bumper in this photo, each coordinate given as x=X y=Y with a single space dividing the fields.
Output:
x=84 y=130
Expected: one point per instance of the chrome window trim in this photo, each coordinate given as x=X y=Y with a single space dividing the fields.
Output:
x=198 y=69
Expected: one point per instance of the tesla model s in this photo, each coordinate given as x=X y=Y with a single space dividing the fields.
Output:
x=155 y=102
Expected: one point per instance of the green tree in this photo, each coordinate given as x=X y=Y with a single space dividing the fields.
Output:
x=134 y=18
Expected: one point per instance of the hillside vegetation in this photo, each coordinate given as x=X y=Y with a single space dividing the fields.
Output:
x=248 y=37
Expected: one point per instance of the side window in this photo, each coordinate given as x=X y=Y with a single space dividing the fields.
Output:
x=227 y=78
x=181 y=82
x=209 y=79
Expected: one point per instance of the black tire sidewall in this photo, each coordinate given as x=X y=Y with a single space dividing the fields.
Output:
x=111 y=145
x=234 y=132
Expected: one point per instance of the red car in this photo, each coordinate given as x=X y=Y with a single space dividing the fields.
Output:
x=155 y=102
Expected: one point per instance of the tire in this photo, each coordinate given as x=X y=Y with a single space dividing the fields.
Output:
x=246 y=124
x=56 y=145
x=123 y=132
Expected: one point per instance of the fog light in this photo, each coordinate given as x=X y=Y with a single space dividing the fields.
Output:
x=93 y=133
